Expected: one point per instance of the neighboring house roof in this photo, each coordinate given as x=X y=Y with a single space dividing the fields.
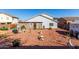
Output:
x=70 y=18
x=9 y=15
x=42 y=15
x=75 y=22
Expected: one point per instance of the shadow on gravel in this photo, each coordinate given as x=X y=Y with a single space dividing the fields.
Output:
x=42 y=47
x=62 y=32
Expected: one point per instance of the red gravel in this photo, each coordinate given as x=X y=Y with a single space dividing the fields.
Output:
x=51 y=38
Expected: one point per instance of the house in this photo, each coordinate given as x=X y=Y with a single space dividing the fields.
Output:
x=6 y=19
x=39 y=22
x=64 y=22
x=74 y=29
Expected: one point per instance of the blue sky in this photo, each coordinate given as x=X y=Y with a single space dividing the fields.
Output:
x=25 y=14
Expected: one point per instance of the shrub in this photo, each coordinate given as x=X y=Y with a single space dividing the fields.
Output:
x=16 y=43
x=15 y=30
x=49 y=28
x=4 y=28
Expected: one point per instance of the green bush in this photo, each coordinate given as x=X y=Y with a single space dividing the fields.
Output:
x=4 y=28
x=15 y=30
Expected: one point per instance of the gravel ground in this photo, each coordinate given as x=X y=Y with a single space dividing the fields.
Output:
x=54 y=37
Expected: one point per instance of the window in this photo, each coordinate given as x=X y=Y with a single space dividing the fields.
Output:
x=50 y=24
x=2 y=23
x=8 y=22
x=1 y=17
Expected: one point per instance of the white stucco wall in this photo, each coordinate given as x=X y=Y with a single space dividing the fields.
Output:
x=15 y=21
x=45 y=21
x=3 y=19
x=74 y=27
